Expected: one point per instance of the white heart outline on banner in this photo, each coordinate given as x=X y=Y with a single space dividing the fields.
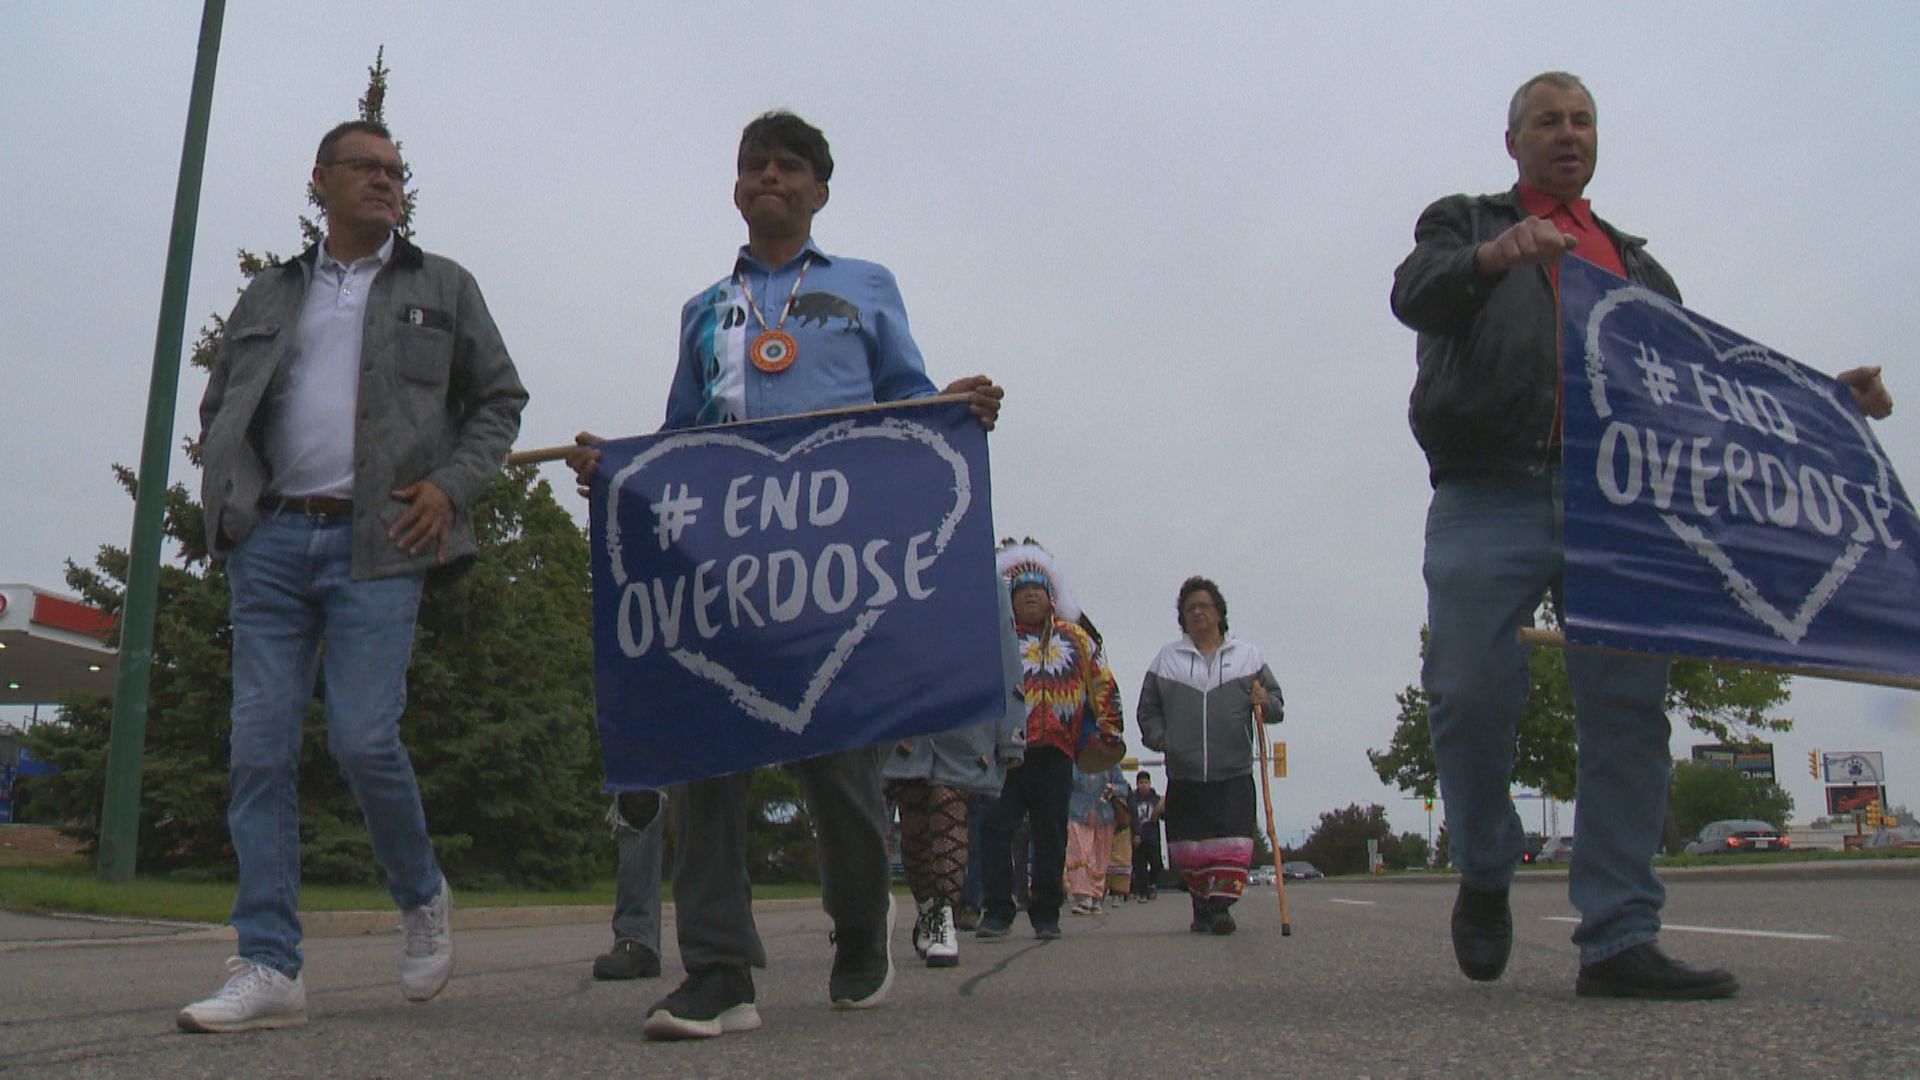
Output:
x=1744 y=590
x=749 y=698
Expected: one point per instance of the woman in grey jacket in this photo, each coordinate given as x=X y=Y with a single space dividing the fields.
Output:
x=1197 y=707
x=930 y=778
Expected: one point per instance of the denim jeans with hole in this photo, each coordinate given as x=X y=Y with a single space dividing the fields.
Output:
x=639 y=834
x=1494 y=548
x=297 y=612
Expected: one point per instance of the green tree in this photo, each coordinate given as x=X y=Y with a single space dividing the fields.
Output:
x=1704 y=792
x=500 y=710
x=1338 y=844
x=1726 y=704
x=1413 y=853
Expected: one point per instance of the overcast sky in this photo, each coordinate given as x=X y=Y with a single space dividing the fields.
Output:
x=1168 y=230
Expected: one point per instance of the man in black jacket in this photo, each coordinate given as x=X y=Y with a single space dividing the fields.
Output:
x=1479 y=288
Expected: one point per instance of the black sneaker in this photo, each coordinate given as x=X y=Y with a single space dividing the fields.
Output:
x=712 y=1001
x=1202 y=917
x=1645 y=972
x=862 y=965
x=1221 y=923
x=628 y=959
x=1482 y=932
x=1047 y=931
x=991 y=929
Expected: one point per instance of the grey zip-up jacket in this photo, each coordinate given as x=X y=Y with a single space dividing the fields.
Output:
x=439 y=400
x=1198 y=709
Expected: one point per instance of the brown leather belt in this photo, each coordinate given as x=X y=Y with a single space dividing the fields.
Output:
x=317 y=506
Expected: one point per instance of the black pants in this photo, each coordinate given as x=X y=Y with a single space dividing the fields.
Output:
x=1038 y=790
x=1147 y=863
x=712 y=895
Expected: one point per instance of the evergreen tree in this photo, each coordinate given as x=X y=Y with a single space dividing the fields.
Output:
x=499 y=717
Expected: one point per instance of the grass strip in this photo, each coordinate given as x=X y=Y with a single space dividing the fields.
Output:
x=68 y=886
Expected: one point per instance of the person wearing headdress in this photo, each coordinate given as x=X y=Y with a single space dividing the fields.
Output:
x=931 y=778
x=1073 y=714
x=1197 y=706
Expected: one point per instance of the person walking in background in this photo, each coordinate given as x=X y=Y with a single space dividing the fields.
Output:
x=1143 y=806
x=1065 y=685
x=1120 y=851
x=1197 y=706
x=1090 y=829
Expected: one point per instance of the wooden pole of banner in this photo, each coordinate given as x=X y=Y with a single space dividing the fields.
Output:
x=1554 y=639
x=545 y=454
x=1273 y=838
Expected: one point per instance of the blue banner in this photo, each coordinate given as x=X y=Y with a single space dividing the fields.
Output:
x=1722 y=500
x=775 y=590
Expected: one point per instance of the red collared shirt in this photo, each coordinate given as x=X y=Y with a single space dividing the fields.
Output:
x=1573 y=218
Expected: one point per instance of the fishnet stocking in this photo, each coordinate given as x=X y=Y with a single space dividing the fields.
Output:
x=933 y=839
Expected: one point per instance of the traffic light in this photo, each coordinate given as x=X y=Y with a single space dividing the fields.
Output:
x=1813 y=764
x=1429 y=804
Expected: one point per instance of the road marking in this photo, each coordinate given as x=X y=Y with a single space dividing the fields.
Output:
x=1355 y=903
x=1777 y=935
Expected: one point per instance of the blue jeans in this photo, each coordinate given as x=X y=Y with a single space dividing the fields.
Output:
x=636 y=876
x=292 y=589
x=1494 y=548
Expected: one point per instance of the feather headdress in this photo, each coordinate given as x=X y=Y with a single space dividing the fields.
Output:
x=1025 y=562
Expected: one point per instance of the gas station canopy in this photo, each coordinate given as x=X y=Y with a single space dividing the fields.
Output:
x=52 y=646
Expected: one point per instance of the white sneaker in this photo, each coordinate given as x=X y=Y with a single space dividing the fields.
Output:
x=943 y=942
x=922 y=930
x=426 y=959
x=255 y=996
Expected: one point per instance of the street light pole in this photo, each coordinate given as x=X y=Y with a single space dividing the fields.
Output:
x=126 y=740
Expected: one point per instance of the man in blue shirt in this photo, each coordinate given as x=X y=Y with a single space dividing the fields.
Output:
x=789 y=330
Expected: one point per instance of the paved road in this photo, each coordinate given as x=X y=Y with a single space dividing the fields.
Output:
x=1364 y=987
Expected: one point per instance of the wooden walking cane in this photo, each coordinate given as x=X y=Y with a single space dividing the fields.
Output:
x=1273 y=839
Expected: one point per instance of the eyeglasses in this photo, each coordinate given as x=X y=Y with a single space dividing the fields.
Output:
x=365 y=167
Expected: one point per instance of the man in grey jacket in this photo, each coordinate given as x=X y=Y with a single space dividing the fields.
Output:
x=361 y=397
x=1198 y=706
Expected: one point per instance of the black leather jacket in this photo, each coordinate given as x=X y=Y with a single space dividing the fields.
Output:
x=1488 y=348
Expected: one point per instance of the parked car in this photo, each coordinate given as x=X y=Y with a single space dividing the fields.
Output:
x=1558 y=849
x=1900 y=836
x=1737 y=837
x=1300 y=871
x=1530 y=847
x=1260 y=875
